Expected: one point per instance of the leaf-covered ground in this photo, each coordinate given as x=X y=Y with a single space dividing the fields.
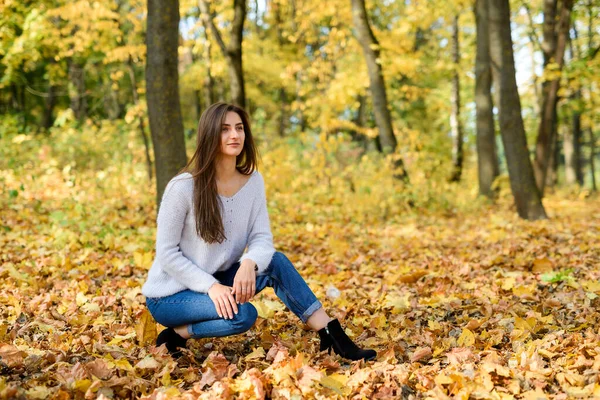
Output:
x=479 y=305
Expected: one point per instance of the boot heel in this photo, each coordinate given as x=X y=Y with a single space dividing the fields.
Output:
x=343 y=345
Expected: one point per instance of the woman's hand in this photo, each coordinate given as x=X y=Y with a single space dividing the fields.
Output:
x=244 y=282
x=222 y=296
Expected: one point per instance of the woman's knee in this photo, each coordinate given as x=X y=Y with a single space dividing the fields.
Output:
x=245 y=317
x=280 y=263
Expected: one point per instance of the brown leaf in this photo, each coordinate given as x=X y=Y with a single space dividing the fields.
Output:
x=421 y=353
x=217 y=363
x=459 y=355
x=412 y=277
x=277 y=352
x=148 y=362
x=208 y=378
x=541 y=266
x=12 y=356
x=99 y=368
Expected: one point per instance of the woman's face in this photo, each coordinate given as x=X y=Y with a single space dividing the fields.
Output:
x=232 y=135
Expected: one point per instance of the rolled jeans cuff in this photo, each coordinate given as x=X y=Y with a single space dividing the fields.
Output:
x=310 y=311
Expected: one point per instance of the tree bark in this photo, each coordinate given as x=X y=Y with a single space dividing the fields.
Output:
x=136 y=101
x=49 y=103
x=592 y=117
x=360 y=120
x=209 y=82
x=383 y=119
x=552 y=174
x=77 y=92
x=592 y=159
x=572 y=136
x=570 y=144
x=554 y=45
x=522 y=181
x=487 y=155
x=233 y=51
x=455 y=125
x=283 y=98
x=162 y=91
x=370 y=47
x=535 y=46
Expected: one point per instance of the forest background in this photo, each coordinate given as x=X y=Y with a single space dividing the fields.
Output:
x=430 y=168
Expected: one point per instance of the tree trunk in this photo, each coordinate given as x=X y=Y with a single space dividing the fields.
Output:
x=577 y=134
x=554 y=45
x=111 y=102
x=552 y=174
x=300 y=101
x=455 y=125
x=370 y=47
x=371 y=52
x=232 y=52
x=360 y=121
x=24 y=108
x=136 y=101
x=487 y=155
x=209 y=82
x=592 y=159
x=572 y=138
x=77 y=92
x=522 y=181
x=282 y=92
x=535 y=44
x=571 y=148
x=162 y=91
x=592 y=117
x=49 y=103
x=14 y=98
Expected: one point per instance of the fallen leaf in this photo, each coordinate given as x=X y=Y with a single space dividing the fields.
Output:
x=421 y=353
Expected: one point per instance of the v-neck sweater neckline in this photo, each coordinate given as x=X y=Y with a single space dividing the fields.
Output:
x=240 y=189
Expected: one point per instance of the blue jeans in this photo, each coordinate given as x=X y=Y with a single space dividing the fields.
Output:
x=198 y=311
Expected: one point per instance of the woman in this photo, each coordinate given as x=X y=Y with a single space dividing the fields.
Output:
x=200 y=283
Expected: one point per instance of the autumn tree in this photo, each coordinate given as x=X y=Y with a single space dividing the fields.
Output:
x=554 y=44
x=162 y=91
x=371 y=51
x=455 y=122
x=233 y=50
x=487 y=157
x=522 y=181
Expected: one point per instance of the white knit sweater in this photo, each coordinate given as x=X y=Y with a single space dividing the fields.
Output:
x=184 y=260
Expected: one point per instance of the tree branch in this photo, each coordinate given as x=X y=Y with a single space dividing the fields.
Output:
x=207 y=17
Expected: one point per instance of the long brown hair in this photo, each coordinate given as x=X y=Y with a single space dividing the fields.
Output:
x=202 y=166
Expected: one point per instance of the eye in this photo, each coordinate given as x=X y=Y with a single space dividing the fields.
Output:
x=240 y=128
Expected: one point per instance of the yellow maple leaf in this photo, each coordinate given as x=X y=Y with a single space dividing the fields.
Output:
x=257 y=353
x=541 y=266
x=143 y=260
x=466 y=338
x=145 y=329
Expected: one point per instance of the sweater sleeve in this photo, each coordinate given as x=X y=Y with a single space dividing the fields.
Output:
x=170 y=222
x=260 y=240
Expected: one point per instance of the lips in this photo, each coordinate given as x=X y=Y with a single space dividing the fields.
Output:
x=234 y=144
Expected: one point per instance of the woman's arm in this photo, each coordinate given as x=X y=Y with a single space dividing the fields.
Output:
x=260 y=240
x=170 y=222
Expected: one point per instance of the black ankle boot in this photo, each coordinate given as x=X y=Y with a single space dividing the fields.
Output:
x=334 y=337
x=173 y=341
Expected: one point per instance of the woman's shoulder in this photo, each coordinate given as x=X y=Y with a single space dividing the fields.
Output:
x=258 y=175
x=183 y=176
x=258 y=179
x=181 y=183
